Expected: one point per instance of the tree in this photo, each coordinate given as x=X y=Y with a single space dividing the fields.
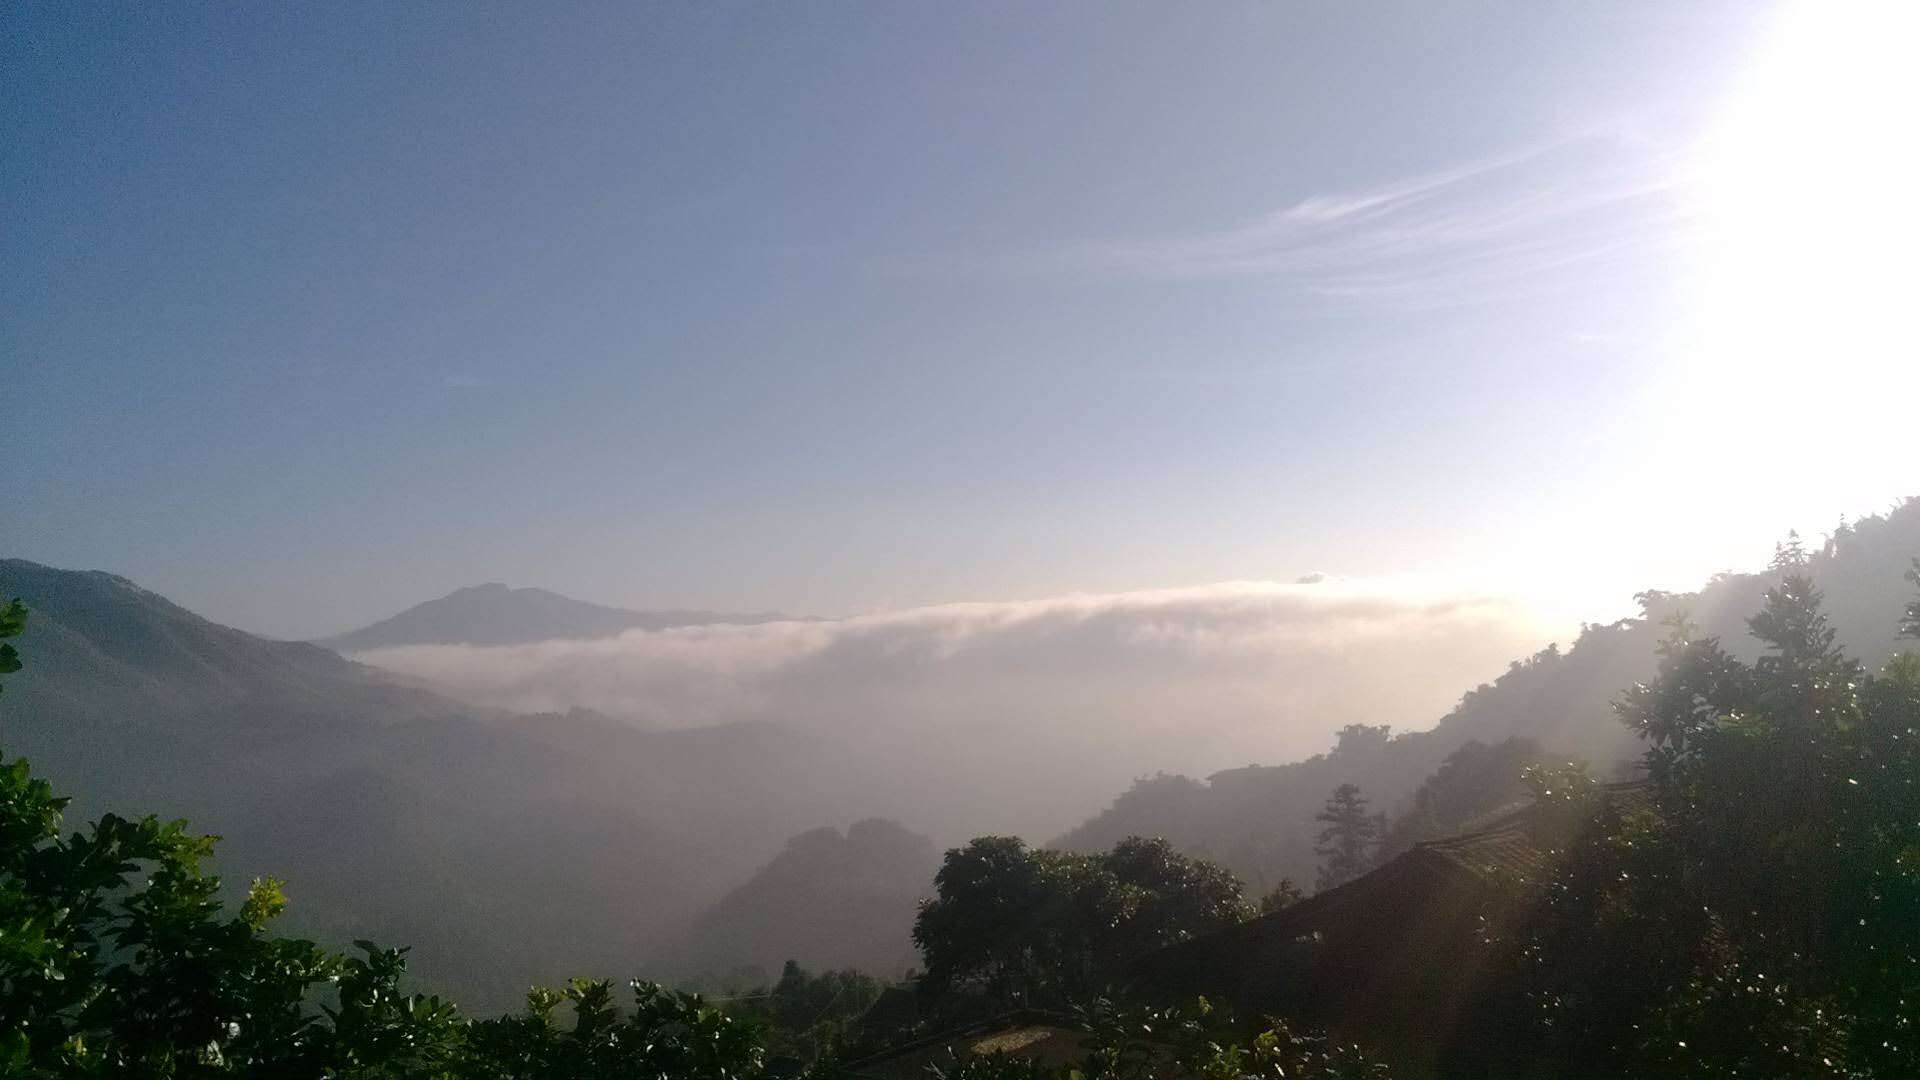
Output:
x=114 y=953
x=1161 y=897
x=1910 y=625
x=1762 y=918
x=997 y=919
x=1348 y=842
x=13 y=619
x=1362 y=738
x=807 y=1016
x=666 y=1034
x=1284 y=895
x=1037 y=926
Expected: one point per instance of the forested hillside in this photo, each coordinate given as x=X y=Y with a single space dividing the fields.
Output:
x=1258 y=821
x=828 y=900
x=394 y=813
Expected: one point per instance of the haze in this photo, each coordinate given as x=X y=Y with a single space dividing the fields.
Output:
x=840 y=311
x=1396 y=518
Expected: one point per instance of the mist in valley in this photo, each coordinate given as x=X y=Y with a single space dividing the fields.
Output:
x=1024 y=717
x=799 y=542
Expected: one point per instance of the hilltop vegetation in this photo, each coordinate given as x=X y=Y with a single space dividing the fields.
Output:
x=1763 y=918
x=827 y=900
x=1258 y=821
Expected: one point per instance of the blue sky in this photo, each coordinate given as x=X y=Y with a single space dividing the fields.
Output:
x=315 y=312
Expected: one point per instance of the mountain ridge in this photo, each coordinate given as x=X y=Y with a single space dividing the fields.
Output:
x=394 y=813
x=497 y=614
x=1257 y=820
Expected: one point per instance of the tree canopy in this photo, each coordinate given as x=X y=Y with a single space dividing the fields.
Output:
x=1762 y=917
x=1350 y=838
x=1038 y=926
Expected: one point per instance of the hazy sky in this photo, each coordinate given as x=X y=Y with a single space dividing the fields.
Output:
x=308 y=313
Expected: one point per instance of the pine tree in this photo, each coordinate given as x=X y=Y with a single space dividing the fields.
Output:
x=1284 y=895
x=1910 y=626
x=1350 y=838
x=1804 y=661
x=1790 y=556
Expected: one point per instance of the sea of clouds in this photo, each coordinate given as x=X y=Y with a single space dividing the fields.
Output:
x=1074 y=694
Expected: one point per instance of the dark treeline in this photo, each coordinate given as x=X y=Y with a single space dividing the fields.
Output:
x=1757 y=913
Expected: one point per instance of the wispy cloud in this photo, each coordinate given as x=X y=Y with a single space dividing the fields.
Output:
x=1485 y=229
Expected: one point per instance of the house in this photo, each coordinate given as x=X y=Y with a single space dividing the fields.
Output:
x=1051 y=1039
x=1389 y=959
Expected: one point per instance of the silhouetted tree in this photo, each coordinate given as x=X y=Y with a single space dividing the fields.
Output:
x=1284 y=895
x=13 y=619
x=807 y=1016
x=1910 y=625
x=1040 y=926
x=1763 y=918
x=1348 y=842
x=1361 y=738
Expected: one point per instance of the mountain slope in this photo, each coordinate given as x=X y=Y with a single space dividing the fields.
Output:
x=494 y=614
x=1258 y=821
x=393 y=813
x=828 y=900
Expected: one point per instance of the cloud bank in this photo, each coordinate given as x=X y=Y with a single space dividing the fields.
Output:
x=1052 y=704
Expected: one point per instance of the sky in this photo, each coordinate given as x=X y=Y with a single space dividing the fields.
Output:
x=311 y=313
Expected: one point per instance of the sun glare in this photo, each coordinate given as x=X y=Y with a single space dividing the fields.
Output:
x=1808 y=231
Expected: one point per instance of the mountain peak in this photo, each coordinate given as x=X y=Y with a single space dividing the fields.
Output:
x=494 y=613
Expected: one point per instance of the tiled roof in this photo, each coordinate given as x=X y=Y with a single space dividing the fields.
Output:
x=1386 y=957
x=1504 y=842
x=1032 y=1035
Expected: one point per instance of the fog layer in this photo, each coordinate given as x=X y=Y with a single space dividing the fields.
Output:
x=1026 y=715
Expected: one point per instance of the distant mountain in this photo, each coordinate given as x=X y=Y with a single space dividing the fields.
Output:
x=1258 y=820
x=494 y=614
x=828 y=900
x=507 y=850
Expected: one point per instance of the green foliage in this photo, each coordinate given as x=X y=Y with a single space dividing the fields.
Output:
x=1036 y=926
x=1564 y=798
x=808 y=1016
x=1350 y=838
x=1763 y=917
x=13 y=619
x=114 y=955
x=1258 y=821
x=115 y=959
x=667 y=1034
